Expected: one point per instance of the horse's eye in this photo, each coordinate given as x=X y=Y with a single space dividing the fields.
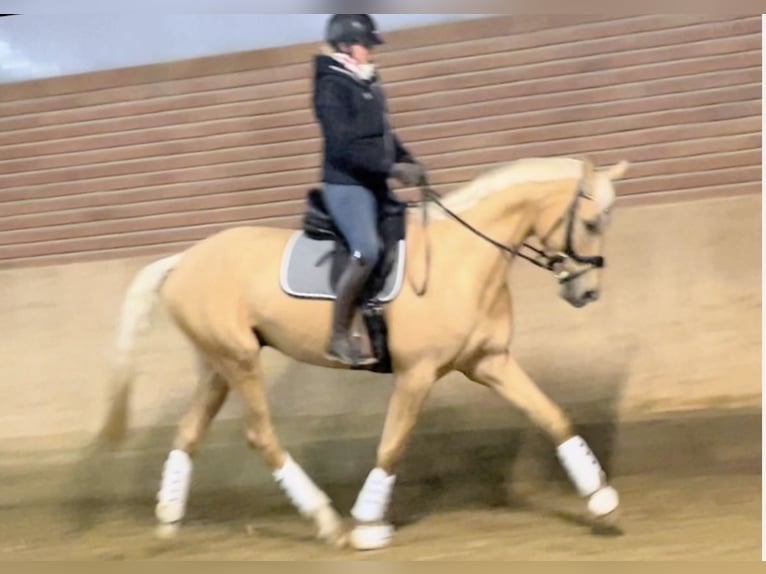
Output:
x=592 y=227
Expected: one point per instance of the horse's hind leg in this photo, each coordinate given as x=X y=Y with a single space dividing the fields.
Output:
x=246 y=378
x=503 y=374
x=210 y=395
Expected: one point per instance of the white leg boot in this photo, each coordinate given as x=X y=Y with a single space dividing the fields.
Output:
x=173 y=493
x=310 y=501
x=588 y=477
x=370 y=509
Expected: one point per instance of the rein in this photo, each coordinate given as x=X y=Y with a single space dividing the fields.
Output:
x=550 y=261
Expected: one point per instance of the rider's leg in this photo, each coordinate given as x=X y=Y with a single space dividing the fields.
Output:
x=354 y=210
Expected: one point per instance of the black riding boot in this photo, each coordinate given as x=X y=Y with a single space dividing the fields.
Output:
x=350 y=285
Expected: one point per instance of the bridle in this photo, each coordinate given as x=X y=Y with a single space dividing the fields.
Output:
x=556 y=263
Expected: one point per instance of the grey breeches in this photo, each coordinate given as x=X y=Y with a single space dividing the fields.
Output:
x=354 y=209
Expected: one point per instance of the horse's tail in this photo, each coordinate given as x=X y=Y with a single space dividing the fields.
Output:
x=135 y=319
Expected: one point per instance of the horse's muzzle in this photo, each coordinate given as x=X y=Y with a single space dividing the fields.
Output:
x=580 y=300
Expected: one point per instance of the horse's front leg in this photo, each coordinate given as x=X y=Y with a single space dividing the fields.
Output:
x=503 y=374
x=371 y=531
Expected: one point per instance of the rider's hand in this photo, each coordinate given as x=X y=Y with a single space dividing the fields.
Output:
x=409 y=173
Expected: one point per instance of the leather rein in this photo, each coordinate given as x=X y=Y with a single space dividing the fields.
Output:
x=540 y=259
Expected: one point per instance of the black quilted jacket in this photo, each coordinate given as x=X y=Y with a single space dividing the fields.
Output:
x=359 y=145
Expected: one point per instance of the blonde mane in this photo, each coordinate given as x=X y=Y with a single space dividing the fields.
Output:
x=507 y=175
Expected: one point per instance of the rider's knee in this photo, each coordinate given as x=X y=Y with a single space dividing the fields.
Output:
x=368 y=251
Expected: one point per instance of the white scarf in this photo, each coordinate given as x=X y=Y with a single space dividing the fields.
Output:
x=362 y=71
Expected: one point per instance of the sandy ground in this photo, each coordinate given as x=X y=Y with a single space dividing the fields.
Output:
x=690 y=488
x=683 y=517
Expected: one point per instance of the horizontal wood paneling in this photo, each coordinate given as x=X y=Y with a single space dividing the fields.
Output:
x=147 y=159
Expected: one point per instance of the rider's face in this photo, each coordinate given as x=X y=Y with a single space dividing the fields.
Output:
x=360 y=53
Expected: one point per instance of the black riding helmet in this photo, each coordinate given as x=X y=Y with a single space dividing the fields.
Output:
x=352 y=29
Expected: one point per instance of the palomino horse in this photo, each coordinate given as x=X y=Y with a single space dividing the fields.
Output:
x=224 y=294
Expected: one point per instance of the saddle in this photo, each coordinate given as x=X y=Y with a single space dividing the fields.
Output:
x=319 y=225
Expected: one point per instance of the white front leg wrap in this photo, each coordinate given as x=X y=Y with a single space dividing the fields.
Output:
x=372 y=503
x=581 y=465
x=300 y=489
x=174 y=490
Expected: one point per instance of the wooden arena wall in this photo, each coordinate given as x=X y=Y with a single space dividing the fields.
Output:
x=145 y=160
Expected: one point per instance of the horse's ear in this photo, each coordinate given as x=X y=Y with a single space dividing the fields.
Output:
x=588 y=173
x=617 y=171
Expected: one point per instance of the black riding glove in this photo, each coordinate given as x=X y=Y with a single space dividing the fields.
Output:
x=409 y=173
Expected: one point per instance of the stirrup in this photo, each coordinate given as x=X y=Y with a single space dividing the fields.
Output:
x=361 y=361
x=355 y=357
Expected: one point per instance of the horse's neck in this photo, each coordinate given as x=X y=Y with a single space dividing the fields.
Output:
x=505 y=218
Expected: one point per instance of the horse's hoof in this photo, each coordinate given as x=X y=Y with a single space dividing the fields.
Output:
x=340 y=541
x=330 y=527
x=167 y=530
x=603 y=502
x=170 y=512
x=371 y=536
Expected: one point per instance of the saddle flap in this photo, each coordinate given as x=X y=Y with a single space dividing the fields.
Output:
x=310 y=269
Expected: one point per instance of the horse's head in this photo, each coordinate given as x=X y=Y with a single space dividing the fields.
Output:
x=571 y=229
